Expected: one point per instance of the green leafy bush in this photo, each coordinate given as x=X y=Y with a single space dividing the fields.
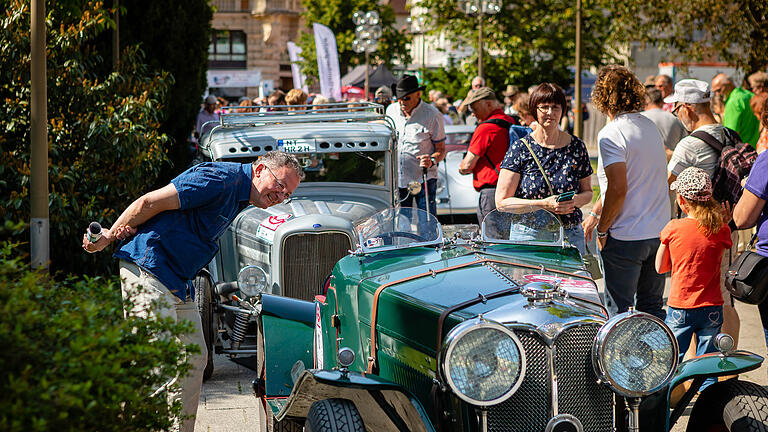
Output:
x=71 y=362
x=105 y=147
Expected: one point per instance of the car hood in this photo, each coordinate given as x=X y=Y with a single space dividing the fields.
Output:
x=407 y=292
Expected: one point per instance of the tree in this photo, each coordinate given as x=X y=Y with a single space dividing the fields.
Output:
x=179 y=46
x=337 y=15
x=105 y=147
x=528 y=42
x=695 y=30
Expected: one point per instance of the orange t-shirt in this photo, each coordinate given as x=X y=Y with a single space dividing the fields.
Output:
x=695 y=263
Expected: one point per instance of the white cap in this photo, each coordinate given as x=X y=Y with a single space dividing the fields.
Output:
x=690 y=91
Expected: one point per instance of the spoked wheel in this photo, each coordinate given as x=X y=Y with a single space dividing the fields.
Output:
x=203 y=298
x=733 y=406
x=334 y=415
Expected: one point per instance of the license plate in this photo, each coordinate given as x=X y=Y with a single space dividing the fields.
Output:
x=296 y=145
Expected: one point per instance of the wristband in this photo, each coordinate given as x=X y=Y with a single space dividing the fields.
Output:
x=434 y=161
x=593 y=214
x=602 y=234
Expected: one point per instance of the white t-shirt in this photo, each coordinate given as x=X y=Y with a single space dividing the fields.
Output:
x=417 y=135
x=635 y=140
x=691 y=151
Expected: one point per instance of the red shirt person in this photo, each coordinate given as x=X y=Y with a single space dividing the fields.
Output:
x=487 y=148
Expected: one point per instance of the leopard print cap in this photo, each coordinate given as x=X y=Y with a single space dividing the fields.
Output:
x=693 y=184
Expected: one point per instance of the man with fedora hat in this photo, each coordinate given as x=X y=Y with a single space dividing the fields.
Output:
x=421 y=142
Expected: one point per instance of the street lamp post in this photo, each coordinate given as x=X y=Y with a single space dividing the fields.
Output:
x=479 y=8
x=367 y=34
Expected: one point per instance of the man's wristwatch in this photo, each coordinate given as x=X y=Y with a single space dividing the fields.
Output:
x=602 y=234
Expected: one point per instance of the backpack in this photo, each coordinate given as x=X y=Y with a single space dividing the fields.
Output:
x=735 y=162
x=500 y=123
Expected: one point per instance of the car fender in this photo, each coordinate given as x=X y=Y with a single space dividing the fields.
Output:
x=716 y=364
x=287 y=326
x=383 y=405
x=705 y=366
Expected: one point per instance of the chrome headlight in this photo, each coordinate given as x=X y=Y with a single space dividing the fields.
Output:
x=635 y=353
x=483 y=362
x=251 y=280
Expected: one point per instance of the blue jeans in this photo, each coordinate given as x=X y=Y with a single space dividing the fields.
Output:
x=575 y=236
x=705 y=322
x=406 y=199
x=631 y=277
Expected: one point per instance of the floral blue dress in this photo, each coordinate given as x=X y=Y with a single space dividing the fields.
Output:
x=565 y=167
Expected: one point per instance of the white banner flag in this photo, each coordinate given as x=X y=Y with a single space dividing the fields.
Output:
x=294 y=53
x=327 y=62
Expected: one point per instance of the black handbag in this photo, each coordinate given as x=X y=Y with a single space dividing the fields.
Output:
x=747 y=277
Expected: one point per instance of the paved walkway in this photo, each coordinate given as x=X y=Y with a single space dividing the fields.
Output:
x=227 y=402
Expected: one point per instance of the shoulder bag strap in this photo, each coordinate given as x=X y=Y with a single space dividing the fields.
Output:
x=541 y=168
x=709 y=139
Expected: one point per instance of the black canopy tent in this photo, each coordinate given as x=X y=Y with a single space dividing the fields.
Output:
x=377 y=76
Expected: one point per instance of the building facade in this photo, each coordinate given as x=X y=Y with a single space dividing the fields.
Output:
x=248 y=54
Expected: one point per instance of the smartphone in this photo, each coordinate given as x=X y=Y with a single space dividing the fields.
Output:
x=565 y=196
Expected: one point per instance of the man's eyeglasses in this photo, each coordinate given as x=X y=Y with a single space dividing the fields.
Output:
x=406 y=98
x=285 y=192
x=676 y=108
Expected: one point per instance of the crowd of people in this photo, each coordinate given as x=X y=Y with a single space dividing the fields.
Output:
x=658 y=211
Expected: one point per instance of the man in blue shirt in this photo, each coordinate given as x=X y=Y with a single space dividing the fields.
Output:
x=170 y=234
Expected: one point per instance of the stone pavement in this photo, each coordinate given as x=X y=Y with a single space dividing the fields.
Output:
x=227 y=402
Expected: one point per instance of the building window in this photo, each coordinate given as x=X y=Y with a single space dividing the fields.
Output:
x=227 y=49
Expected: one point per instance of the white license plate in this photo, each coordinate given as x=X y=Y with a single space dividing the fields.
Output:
x=296 y=145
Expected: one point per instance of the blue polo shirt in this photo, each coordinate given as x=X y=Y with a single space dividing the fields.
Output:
x=174 y=245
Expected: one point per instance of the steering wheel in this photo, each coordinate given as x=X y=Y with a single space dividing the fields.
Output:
x=404 y=234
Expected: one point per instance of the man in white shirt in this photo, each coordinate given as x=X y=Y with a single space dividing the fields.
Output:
x=207 y=118
x=421 y=142
x=691 y=99
x=634 y=205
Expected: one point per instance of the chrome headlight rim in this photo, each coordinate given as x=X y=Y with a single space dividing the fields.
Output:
x=455 y=335
x=599 y=347
x=244 y=287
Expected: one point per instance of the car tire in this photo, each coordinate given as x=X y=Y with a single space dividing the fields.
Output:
x=281 y=426
x=334 y=415
x=732 y=405
x=202 y=286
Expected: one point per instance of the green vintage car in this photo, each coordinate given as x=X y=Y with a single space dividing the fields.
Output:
x=501 y=332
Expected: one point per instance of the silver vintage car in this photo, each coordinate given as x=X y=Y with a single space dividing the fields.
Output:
x=347 y=152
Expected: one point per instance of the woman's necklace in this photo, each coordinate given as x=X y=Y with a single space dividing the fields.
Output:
x=556 y=141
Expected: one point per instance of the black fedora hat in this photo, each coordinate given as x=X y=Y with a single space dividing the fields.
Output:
x=407 y=85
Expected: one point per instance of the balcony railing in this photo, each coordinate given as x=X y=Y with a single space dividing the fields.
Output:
x=258 y=7
x=232 y=5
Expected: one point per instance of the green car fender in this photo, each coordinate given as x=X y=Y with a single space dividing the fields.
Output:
x=287 y=329
x=383 y=405
x=706 y=366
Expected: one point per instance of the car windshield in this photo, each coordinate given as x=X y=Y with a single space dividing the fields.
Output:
x=396 y=228
x=539 y=227
x=351 y=167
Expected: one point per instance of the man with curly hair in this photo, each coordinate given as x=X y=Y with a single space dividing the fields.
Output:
x=634 y=204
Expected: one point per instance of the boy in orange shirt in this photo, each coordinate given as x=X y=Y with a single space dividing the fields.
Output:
x=692 y=248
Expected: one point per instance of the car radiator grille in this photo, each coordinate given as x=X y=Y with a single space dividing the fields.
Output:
x=578 y=392
x=307 y=259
